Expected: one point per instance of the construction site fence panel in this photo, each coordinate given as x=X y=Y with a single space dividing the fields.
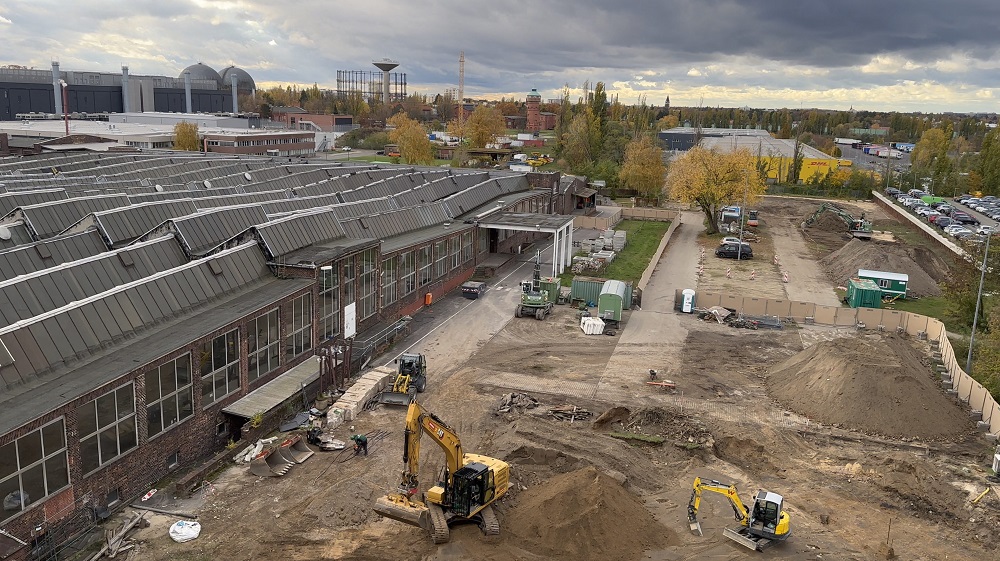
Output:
x=659 y=214
x=915 y=325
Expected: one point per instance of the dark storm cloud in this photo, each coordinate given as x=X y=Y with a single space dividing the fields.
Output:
x=728 y=51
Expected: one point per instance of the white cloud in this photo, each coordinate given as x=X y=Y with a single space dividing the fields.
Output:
x=888 y=64
x=4 y=20
x=694 y=72
x=272 y=42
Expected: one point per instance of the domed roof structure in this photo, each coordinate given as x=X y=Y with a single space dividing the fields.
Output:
x=244 y=82
x=202 y=71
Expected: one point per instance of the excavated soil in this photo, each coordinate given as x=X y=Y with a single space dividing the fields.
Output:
x=876 y=385
x=597 y=516
x=924 y=268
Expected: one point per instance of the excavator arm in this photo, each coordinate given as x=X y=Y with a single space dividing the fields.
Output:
x=419 y=421
x=739 y=510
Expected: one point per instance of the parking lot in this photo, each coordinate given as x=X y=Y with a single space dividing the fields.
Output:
x=964 y=218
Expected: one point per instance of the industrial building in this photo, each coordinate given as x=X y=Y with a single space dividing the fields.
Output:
x=147 y=295
x=27 y=93
x=776 y=155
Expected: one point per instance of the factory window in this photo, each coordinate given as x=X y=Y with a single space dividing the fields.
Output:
x=440 y=259
x=329 y=303
x=425 y=265
x=367 y=285
x=350 y=275
x=169 y=395
x=298 y=326
x=263 y=345
x=106 y=427
x=389 y=281
x=33 y=467
x=455 y=245
x=407 y=273
x=220 y=367
x=466 y=247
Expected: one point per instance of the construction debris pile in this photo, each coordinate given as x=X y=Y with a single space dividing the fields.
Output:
x=731 y=318
x=117 y=541
x=569 y=413
x=876 y=385
x=516 y=402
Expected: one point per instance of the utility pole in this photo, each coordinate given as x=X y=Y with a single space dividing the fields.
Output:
x=979 y=299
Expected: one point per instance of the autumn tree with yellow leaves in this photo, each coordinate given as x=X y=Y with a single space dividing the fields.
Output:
x=643 y=168
x=411 y=137
x=714 y=179
x=483 y=127
x=186 y=136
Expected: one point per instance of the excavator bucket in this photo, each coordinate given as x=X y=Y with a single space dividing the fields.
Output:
x=397 y=507
x=296 y=450
x=270 y=464
x=696 y=528
x=395 y=398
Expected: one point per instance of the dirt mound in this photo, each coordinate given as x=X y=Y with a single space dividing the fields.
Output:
x=858 y=254
x=747 y=454
x=585 y=514
x=871 y=384
x=829 y=222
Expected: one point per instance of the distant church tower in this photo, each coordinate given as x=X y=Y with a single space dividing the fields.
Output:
x=534 y=102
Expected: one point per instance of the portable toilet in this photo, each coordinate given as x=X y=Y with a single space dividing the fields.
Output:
x=863 y=293
x=611 y=300
x=687 y=300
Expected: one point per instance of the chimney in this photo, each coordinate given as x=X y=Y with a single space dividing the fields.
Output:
x=187 y=91
x=125 y=104
x=56 y=87
x=236 y=105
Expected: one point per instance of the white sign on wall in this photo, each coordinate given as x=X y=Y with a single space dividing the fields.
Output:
x=350 y=320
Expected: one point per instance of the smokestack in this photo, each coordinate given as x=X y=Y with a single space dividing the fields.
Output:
x=56 y=88
x=236 y=105
x=187 y=91
x=125 y=104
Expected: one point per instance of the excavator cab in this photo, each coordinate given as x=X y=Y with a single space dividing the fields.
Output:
x=472 y=487
x=766 y=514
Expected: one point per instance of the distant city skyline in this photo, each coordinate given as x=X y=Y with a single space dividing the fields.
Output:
x=902 y=55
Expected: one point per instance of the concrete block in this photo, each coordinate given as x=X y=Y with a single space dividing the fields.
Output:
x=945 y=376
x=935 y=345
x=953 y=393
x=983 y=426
x=976 y=415
x=936 y=355
x=992 y=438
x=941 y=368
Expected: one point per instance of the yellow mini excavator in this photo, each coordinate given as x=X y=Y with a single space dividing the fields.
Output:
x=468 y=486
x=760 y=526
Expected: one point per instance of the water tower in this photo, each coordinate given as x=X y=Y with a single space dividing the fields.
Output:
x=386 y=66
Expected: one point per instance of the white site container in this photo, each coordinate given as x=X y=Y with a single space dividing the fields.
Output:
x=592 y=325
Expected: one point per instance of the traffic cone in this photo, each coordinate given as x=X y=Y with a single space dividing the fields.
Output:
x=784 y=276
x=729 y=273
x=753 y=275
x=775 y=259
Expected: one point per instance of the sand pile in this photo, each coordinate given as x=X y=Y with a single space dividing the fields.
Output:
x=829 y=222
x=874 y=385
x=859 y=254
x=584 y=514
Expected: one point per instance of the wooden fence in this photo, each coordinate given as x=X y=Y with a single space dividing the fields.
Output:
x=954 y=378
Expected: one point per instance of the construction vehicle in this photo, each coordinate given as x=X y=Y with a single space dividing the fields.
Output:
x=534 y=301
x=752 y=220
x=760 y=526
x=411 y=377
x=468 y=486
x=860 y=228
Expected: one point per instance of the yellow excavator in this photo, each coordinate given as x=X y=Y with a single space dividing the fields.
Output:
x=760 y=526
x=468 y=486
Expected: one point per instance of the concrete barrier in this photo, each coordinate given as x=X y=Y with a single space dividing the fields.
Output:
x=364 y=388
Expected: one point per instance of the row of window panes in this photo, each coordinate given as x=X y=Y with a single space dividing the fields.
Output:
x=298 y=326
x=33 y=467
x=263 y=349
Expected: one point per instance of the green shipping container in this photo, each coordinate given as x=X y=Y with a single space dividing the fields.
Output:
x=611 y=301
x=863 y=293
x=550 y=285
x=588 y=289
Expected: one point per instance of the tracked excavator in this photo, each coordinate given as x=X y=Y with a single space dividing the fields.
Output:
x=760 y=526
x=468 y=486
x=860 y=228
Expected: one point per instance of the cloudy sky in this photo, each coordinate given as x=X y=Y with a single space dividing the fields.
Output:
x=906 y=55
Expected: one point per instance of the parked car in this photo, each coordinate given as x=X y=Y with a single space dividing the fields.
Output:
x=964 y=234
x=964 y=218
x=962 y=197
x=953 y=228
x=932 y=215
x=970 y=201
x=729 y=239
x=985 y=230
x=942 y=221
x=922 y=210
x=892 y=191
x=733 y=251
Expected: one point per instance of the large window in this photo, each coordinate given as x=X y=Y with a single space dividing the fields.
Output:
x=298 y=326
x=350 y=275
x=407 y=273
x=329 y=303
x=455 y=247
x=169 y=395
x=389 y=295
x=32 y=468
x=425 y=263
x=367 y=285
x=440 y=259
x=466 y=247
x=106 y=427
x=263 y=345
x=220 y=367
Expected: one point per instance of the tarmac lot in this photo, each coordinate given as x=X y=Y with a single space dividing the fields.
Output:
x=723 y=422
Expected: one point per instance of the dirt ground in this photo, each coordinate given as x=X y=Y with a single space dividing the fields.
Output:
x=750 y=408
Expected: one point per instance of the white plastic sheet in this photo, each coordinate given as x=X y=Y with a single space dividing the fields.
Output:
x=184 y=531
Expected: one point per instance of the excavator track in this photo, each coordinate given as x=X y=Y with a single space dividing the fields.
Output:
x=439 y=524
x=488 y=522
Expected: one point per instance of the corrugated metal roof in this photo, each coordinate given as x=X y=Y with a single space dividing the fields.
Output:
x=242 y=198
x=34 y=294
x=122 y=225
x=364 y=208
x=297 y=204
x=381 y=226
x=48 y=219
x=285 y=235
x=14 y=199
x=207 y=230
x=16 y=234
x=45 y=342
x=49 y=253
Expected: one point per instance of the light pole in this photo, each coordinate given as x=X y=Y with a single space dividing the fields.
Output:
x=65 y=95
x=979 y=299
x=743 y=209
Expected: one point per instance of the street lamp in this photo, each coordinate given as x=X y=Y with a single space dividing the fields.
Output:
x=979 y=299
x=65 y=95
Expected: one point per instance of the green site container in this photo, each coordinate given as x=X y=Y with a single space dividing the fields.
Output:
x=863 y=293
x=550 y=285
x=588 y=289
x=891 y=284
x=611 y=301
